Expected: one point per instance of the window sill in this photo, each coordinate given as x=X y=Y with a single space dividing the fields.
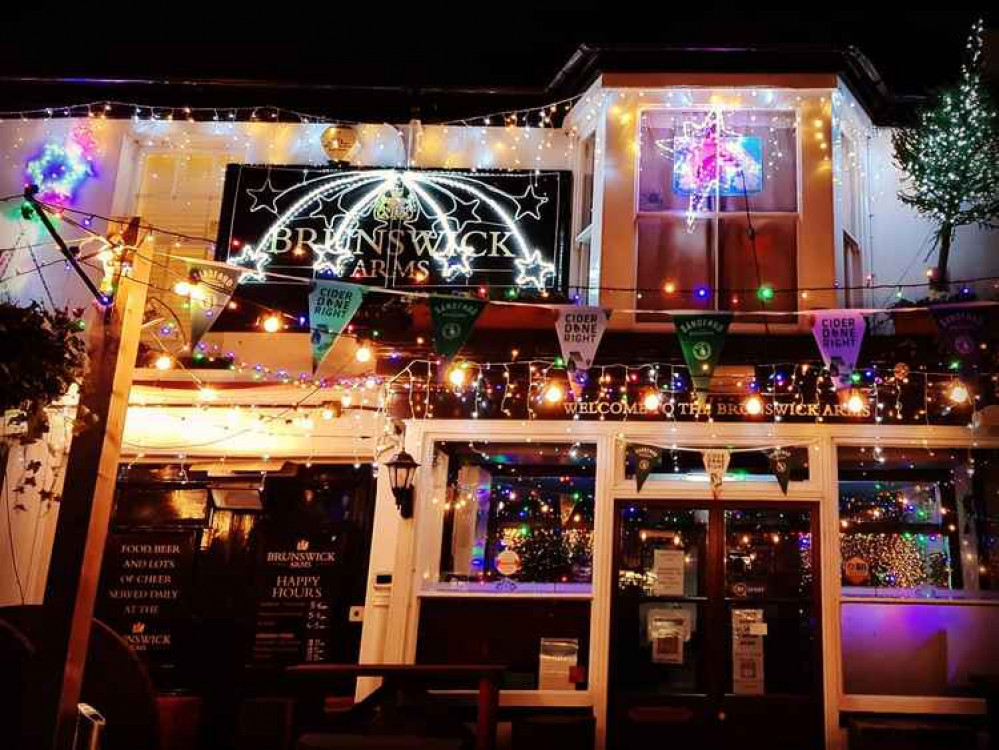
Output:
x=522 y=592
x=903 y=599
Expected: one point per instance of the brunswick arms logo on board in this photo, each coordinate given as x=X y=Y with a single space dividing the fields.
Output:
x=399 y=227
x=301 y=556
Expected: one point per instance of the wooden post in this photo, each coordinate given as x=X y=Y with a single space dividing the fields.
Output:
x=84 y=515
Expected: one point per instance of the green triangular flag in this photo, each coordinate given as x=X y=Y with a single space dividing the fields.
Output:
x=453 y=319
x=780 y=465
x=702 y=337
x=332 y=304
x=646 y=459
x=216 y=284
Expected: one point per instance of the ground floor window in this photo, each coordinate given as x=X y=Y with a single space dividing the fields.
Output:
x=919 y=522
x=508 y=560
x=514 y=517
x=919 y=546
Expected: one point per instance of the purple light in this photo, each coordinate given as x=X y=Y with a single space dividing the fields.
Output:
x=702 y=292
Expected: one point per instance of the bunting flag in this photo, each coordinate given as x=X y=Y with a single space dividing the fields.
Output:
x=701 y=339
x=646 y=459
x=839 y=335
x=962 y=330
x=453 y=319
x=579 y=331
x=780 y=465
x=716 y=464
x=332 y=304
x=215 y=286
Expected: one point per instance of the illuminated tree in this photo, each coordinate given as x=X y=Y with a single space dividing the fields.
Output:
x=951 y=157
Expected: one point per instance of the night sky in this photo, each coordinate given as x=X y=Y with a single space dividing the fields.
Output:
x=914 y=49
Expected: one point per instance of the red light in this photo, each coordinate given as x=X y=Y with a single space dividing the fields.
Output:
x=235 y=243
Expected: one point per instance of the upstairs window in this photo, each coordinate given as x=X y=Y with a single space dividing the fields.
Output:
x=717 y=209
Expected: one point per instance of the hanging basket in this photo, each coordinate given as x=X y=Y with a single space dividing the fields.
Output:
x=41 y=355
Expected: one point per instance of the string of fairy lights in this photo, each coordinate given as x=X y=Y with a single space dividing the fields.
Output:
x=542 y=115
x=543 y=389
x=658 y=385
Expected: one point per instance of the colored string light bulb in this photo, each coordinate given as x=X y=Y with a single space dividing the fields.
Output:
x=753 y=405
x=272 y=324
x=765 y=293
x=958 y=393
x=456 y=377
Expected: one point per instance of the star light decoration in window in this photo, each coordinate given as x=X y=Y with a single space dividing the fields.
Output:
x=711 y=160
x=448 y=201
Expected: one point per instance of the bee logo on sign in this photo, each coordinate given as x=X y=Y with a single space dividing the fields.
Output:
x=508 y=563
x=857 y=571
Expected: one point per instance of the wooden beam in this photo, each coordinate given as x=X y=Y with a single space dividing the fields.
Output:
x=84 y=514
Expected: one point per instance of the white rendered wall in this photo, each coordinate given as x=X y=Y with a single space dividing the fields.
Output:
x=902 y=238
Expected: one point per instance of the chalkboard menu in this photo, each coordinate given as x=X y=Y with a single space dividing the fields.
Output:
x=296 y=586
x=145 y=592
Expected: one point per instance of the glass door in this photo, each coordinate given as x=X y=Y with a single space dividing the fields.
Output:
x=715 y=626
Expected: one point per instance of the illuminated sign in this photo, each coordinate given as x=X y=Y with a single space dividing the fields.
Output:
x=399 y=228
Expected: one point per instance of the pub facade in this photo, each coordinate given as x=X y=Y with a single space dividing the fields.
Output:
x=692 y=458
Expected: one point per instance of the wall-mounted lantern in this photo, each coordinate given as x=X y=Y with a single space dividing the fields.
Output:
x=402 y=472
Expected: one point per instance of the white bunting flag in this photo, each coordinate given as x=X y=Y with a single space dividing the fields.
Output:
x=579 y=331
x=716 y=464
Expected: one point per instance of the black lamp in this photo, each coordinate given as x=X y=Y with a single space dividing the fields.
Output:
x=402 y=472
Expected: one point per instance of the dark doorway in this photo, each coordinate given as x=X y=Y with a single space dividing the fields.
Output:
x=715 y=627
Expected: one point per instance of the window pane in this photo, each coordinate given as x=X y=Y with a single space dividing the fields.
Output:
x=744 y=466
x=774 y=261
x=516 y=517
x=679 y=149
x=919 y=522
x=668 y=252
x=768 y=553
x=662 y=588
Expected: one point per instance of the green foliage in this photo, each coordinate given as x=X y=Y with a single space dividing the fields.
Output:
x=41 y=356
x=951 y=158
x=551 y=554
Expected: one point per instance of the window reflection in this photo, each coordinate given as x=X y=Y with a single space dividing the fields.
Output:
x=919 y=522
x=768 y=554
x=516 y=516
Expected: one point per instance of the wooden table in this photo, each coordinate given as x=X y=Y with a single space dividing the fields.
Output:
x=409 y=675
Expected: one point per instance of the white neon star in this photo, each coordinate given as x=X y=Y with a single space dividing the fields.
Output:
x=533 y=270
x=472 y=209
x=257 y=258
x=534 y=201
x=331 y=260
x=264 y=197
x=451 y=267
